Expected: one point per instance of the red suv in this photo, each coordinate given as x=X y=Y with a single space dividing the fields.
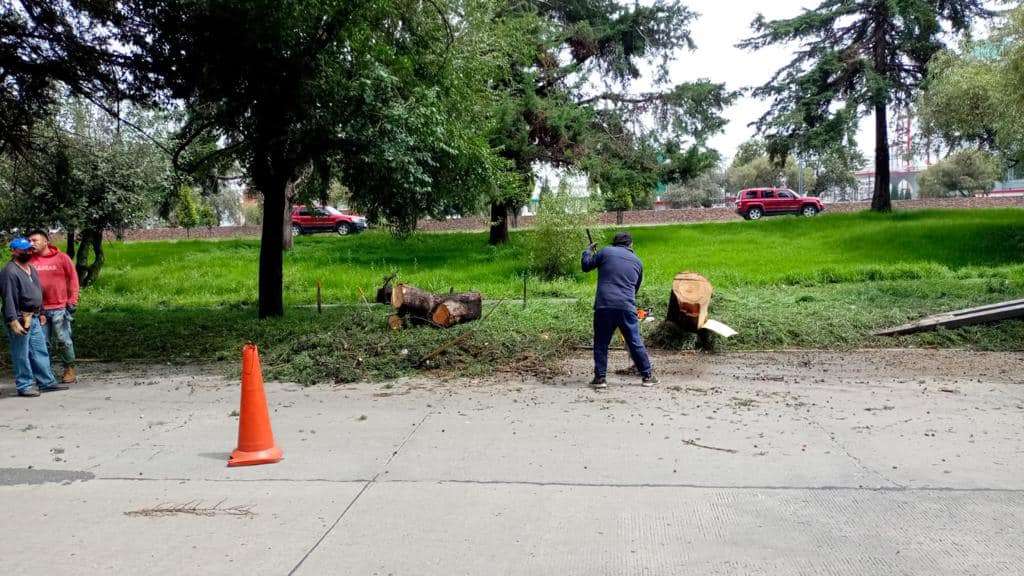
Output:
x=753 y=203
x=306 y=219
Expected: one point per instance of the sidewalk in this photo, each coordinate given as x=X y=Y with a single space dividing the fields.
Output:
x=892 y=462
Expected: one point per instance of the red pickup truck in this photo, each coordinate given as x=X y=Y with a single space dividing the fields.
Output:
x=753 y=203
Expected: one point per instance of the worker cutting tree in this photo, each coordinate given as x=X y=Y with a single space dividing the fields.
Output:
x=619 y=275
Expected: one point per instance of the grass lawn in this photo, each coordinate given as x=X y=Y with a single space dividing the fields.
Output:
x=822 y=282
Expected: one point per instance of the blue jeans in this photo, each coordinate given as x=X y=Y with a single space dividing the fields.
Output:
x=31 y=358
x=58 y=326
x=606 y=320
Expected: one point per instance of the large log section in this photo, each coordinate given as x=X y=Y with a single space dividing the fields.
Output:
x=689 y=300
x=441 y=310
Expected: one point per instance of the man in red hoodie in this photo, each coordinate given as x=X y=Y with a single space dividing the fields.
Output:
x=60 y=298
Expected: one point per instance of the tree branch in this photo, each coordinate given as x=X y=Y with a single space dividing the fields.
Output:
x=650 y=98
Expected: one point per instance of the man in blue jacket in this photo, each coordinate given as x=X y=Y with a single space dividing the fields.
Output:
x=619 y=274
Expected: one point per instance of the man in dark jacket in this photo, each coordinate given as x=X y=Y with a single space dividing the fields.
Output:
x=619 y=275
x=22 y=302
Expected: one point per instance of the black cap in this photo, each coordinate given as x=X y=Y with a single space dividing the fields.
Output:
x=622 y=239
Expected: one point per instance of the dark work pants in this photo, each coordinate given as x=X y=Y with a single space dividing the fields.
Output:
x=606 y=320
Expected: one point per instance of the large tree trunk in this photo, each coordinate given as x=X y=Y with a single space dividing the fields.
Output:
x=89 y=273
x=271 y=299
x=881 y=200
x=70 y=237
x=499 y=223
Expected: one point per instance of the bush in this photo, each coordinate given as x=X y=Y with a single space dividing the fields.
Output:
x=964 y=173
x=559 y=234
x=186 y=209
x=252 y=214
x=208 y=216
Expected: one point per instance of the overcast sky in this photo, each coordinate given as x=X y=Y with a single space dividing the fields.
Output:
x=721 y=25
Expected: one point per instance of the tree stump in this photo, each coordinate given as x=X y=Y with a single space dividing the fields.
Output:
x=689 y=300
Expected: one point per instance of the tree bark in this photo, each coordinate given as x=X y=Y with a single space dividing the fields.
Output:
x=271 y=299
x=499 y=224
x=618 y=217
x=881 y=199
x=457 y=309
x=287 y=241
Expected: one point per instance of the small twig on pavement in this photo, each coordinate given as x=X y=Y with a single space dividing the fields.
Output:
x=192 y=508
x=705 y=446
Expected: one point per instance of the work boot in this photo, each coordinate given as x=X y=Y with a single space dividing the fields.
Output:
x=598 y=383
x=69 y=377
x=649 y=380
x=54 y=388
x=28 y=393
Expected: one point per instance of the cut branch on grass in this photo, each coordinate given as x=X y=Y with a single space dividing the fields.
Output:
x=457 y=340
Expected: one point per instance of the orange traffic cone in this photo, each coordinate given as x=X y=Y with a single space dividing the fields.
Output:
x=255 y=438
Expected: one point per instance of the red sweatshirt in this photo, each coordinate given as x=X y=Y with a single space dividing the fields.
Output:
x=58 y=277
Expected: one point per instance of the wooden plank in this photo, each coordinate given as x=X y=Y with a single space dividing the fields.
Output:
x=958 y=318
x=987 y=307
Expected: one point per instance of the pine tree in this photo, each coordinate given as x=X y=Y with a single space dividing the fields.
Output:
x=855 y=57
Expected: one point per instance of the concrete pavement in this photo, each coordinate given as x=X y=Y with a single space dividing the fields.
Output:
x=885 y=462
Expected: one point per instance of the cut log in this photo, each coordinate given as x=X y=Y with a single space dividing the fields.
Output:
x=689 y=300
x=411 y=301
x=395 y=322
x=457 y=308
x=384 y=292
x=442 y=310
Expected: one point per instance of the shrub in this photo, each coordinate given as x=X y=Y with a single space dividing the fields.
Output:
x=558 y=234
x=964 y=173
x=252 y=214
